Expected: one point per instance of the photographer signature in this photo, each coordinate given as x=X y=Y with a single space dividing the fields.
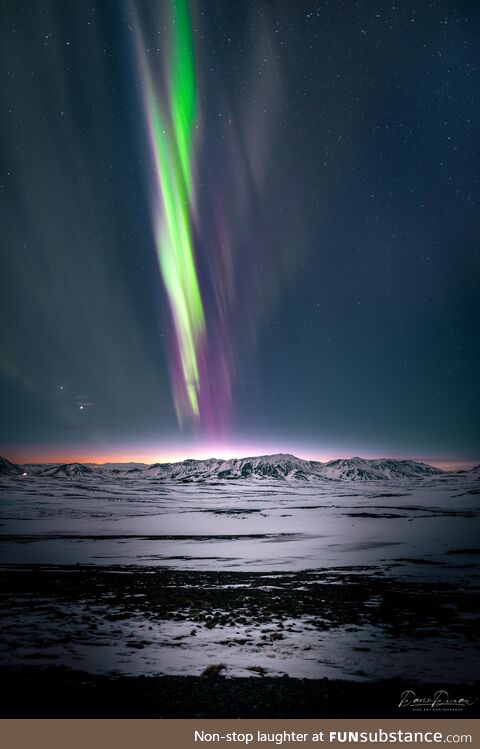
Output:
x=439 y=700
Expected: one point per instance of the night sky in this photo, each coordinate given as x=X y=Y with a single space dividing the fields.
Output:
x=332 y=195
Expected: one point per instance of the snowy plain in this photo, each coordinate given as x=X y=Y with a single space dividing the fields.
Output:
x=243 y=525
x=415 y=530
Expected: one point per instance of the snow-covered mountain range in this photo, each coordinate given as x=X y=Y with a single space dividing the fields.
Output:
x=374 y=470
x=280 y=467
x=65 y=470
x=9 y=469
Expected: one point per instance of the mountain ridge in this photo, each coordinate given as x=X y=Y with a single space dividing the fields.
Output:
x=9 y=469
x=279 y=466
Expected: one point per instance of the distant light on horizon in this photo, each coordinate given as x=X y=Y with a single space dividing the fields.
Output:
x=150 y=454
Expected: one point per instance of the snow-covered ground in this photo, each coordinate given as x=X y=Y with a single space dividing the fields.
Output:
x=402 y=540
x=139 y=646
x=422 y=526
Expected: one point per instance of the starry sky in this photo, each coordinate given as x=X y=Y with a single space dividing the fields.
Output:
x=321 y=295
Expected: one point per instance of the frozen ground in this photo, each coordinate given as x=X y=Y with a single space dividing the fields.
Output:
x=335 y=625
x=266 y=525
x=347 y=580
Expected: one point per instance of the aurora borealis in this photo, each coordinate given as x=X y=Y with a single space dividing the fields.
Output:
x=172 y=146
x=200 y=365
x=240 y=228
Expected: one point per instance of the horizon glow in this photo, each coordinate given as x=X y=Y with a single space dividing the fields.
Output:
x=149 y=454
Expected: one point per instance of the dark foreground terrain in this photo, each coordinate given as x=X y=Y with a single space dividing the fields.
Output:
x=61 y=693
x=89 y=641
